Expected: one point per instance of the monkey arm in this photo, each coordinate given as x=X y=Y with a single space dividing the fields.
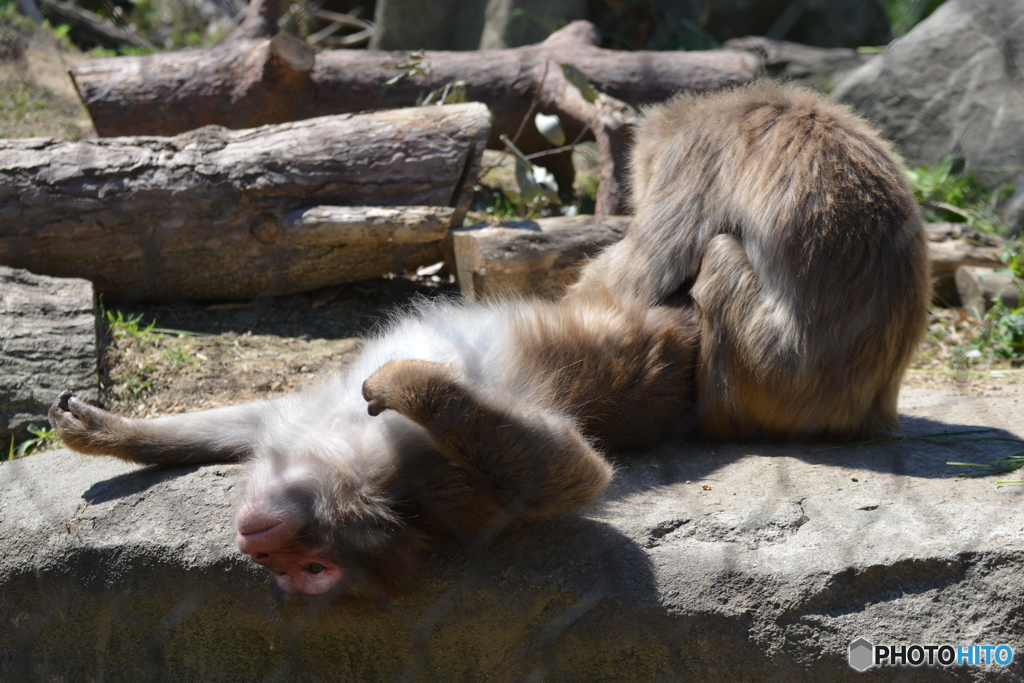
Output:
x=218 y=435
x=529 y=460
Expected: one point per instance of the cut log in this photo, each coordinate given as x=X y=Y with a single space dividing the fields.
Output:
x=217 y=214
x=536 y=257
x=980 y=287
x=541 y=257
x=951 y=253
x=233 y=85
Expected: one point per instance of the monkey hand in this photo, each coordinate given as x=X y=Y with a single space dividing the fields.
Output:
x=417 y=389
x=81 y=426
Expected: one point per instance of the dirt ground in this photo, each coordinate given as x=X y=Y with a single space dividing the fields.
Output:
x=201 y=356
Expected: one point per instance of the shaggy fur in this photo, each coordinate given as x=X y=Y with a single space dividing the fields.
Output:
x=779 y=218
x=790 y=224
x=457 y=420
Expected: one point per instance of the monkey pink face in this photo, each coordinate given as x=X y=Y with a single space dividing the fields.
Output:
x=273 y=543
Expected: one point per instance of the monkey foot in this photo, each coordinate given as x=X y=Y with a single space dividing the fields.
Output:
x=417 y=389
x=78 y=423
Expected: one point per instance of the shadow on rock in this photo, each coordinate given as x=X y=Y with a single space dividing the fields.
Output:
x=920 y=448
x=134 y=482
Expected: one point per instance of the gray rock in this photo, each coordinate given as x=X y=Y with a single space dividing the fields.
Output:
x=1013 y=211
x=766 y=567
x=953 y=85
x=47 y=344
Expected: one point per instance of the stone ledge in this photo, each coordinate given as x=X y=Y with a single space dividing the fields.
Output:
x=112 y=571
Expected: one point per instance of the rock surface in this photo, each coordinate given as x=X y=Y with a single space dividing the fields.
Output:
x=700 y=563
x=47 y=342
x=953 y=85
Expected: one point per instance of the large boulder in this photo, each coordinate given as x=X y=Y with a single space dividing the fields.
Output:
x=953 y=85
x=700 y=563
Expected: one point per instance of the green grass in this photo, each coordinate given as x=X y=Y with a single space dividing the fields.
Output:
x=42 y=438
x=949 y=192
x=121 y=326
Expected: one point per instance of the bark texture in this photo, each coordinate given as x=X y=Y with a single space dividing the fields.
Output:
x=218 y=214
x=256 y=79
x=540 y=257
x=536 y=257
x=979 y=288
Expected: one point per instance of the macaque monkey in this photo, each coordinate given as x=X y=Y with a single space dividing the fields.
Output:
x=782 y=223
x=788 y=224
x=455 y=421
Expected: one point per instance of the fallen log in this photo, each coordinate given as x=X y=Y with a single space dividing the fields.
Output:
x=259 y=77
x=218 y=214
x=541 y=257
x=527 y=257
x=952 y=245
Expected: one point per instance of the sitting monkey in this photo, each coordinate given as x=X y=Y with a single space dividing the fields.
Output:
x=813 y=284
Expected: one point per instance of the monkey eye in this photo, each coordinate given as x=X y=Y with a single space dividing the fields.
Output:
x=315 y=568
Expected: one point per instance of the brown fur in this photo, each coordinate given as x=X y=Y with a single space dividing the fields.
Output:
x=457 y=449
x=790 y=224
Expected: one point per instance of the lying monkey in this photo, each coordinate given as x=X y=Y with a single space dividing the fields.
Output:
x=782 y=215
x=458 y=417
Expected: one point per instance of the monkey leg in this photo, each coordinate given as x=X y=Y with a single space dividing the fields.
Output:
x=746 y=358
x=757 y=377
x=525 y=458
x=221 y=434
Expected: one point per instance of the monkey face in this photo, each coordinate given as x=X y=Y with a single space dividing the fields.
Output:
x=317 y=525
x=273 y=541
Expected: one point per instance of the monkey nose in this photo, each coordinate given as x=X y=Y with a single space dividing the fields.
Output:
x=251 y=520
